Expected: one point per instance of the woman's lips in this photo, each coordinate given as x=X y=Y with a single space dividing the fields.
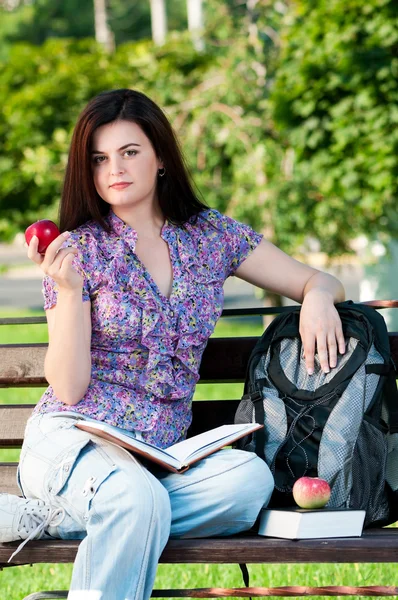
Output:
x=120 y=186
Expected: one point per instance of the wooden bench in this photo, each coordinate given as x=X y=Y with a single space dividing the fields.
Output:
x=225 y=360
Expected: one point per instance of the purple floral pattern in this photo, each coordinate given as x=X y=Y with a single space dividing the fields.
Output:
x=146 y=348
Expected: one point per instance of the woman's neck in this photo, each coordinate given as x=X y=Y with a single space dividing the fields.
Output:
x=147 y=223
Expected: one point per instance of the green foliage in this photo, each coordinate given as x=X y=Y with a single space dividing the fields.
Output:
x=41 y=92
x=335 y=103
x=225 y=121
x=38 y=20
x=288 y=119
x=43 y=88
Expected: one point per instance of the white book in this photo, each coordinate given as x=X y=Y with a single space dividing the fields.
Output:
x=300 y=523
x=180 y=456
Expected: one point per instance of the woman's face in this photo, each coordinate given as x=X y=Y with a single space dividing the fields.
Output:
x=125 y=166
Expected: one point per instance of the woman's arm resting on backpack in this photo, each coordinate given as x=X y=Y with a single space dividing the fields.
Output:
x=271 y=269
x=67 y=365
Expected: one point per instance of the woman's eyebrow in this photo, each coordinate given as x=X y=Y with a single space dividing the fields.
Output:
x=121 y=148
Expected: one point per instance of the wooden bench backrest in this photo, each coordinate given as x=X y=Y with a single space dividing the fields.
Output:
x=22 y=365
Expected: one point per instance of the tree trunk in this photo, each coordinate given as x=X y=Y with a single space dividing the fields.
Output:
x=158 y=21
x=195 y=23
x=103 y=33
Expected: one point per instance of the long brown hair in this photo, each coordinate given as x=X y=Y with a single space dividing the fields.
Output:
x=80 y=201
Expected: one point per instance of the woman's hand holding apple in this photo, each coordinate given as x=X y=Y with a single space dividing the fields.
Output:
x=57 y=262
x=45 y=230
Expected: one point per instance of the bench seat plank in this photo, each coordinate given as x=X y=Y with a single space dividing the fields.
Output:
x=376 y=545
x=206 y=415
x=224 y=360
x=22 y=365
x=8 y=479
x=13 y=418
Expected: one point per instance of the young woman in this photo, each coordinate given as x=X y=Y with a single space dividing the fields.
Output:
x=133 y=288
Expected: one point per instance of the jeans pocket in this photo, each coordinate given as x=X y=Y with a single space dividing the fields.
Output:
x=50 y=423
x=74 y=482
x=60 y=473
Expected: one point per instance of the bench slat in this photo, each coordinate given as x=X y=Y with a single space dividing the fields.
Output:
x=22 y=365
x=8 y=479
x=206 y=415
x=377 y=545
x=13 y=420
x=224 y=360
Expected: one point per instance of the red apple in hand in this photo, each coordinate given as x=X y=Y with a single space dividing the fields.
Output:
x=45 y=230
x=311 y=492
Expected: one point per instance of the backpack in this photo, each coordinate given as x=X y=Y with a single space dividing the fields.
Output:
x=341 y=426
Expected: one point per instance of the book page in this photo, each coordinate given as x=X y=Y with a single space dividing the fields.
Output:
x=128 y=441
x=186 y=449
x=176 y=457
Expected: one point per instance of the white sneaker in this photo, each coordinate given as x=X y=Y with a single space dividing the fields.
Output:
x=25 y=519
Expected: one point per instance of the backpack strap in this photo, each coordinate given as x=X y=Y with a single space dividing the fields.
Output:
x=258 y=403
x=391 y=391
x=256 y=398
x=391 y=396
x=388 y=370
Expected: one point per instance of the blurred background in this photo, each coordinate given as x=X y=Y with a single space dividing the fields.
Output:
x=286 y=111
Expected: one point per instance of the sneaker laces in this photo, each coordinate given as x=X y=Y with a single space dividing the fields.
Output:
x=36 y=522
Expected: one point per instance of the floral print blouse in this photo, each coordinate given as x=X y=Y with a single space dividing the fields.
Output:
x=146 y=349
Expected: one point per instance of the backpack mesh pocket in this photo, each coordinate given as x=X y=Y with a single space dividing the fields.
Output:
x=368 y=490
x=245 y=414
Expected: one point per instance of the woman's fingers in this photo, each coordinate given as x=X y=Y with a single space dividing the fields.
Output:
x=340 y=338
x=59 y=259
x=33 y=253
x=53 y=249
x=326 y=347
x=57 y=262
x=322 y=351
x=321 y=332
x=332 y=350
x=309 y=353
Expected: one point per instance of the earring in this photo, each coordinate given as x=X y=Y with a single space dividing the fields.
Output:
x=162 y=172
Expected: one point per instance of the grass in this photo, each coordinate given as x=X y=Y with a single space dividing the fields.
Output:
x=16 y=583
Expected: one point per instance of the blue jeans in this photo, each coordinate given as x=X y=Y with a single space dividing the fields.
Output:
x=124 y=512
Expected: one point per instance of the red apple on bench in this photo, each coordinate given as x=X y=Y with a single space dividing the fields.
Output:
x=311 y=492
x=45 y=230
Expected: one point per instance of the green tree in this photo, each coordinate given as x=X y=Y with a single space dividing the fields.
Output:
x=39 y=20
x=225 y=121
x=42 y=90
x=335 y=106
x=216 y=100
x=293 y=133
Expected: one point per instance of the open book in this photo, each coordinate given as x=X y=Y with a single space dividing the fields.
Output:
x=180 y=456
